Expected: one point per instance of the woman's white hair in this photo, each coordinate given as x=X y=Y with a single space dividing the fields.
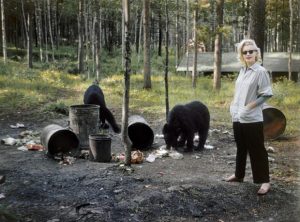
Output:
x=240 y=47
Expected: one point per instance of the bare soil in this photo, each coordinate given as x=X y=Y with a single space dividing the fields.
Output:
x=38 y=188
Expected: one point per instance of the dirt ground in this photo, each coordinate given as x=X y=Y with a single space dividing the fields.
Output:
x=40 y=189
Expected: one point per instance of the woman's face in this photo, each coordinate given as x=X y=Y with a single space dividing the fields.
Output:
x=249 y=53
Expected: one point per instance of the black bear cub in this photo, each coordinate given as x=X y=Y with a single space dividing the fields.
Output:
x=94 y=95
x=182 y=124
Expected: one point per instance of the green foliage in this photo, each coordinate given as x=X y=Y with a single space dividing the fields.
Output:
x=52 y=91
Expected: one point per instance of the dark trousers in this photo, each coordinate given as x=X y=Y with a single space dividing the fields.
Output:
x=249 y=138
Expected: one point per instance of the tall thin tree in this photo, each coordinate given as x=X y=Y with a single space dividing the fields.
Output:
x=218 y=46
x=167 y=60
x=147 y=59
x=125 y=108
x=195 y=38
x=291 y=40
x=4 y=47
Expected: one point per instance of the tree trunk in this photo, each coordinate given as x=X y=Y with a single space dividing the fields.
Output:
x=3 y=32
x=80 y=37
x=257 y=23
x=167 y=61
x=176 y=35
x=159 y=33
x=50 y=28
x=140 y=35
x=46 y=32
x=187 y=35
x=194 y=72
x=218 y=46
x=39 y=27
x=125 y=109
x=147 y=62
x=29 y=41
x=291 y=40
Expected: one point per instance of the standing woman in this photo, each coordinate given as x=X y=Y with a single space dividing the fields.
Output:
x=252 y=89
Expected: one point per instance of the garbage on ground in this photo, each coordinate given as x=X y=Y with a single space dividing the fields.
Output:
x=270 y=149
x=67 y=160
x=9 y=141
x=2 y=196
x=35 y=147
x=137 y=157
x=26 y=137
x=18 y=125
x=209 y=147
x=151 y=158
x=159 y=136
x=176 y=155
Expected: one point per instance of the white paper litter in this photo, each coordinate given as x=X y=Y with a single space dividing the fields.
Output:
x=22 y=148
x=18 y=125
x=175 y=155
x=159 y=136
x=151 y=158
x=209 y=147
x=9 y=141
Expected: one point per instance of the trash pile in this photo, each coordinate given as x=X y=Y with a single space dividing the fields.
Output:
x=28 y=140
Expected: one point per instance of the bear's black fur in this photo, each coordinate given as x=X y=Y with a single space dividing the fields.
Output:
x=183 y=122
x=94 y=95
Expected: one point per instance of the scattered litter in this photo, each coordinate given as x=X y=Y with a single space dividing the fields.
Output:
x=2 y=196
x=209 y=147
x=159 y=136
x=271 y=159
x=68 y=160
x=18 y=125
x=151 y=158
x=137 y=157
x=226 y=132
x=22 y=148
x=197 y=157
x=270 y=149
x=118 y=157
x=9 y=141
x=35 y=147
x=215 y=130
x=175 y=155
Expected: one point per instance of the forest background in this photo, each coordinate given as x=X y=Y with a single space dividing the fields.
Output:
x=53 y=49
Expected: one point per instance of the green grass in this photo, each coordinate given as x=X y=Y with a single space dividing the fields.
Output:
x=53 y=90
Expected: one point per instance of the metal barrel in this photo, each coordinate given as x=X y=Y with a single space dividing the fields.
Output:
x=274 y=122
x=100 y=148
x=140 y=133
x=57 y=139
x=84 y=120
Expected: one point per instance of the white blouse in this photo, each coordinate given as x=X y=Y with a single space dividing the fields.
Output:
x=251 y=83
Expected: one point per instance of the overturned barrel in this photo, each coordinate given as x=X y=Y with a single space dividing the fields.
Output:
x=274 y=122
x=140 y=133
x=84 y=120
x=57 y=139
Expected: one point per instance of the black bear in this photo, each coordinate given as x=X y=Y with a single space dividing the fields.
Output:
x=94 y=95
x=183 y=122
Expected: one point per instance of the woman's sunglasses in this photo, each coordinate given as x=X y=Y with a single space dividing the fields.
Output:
x=250 y=52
